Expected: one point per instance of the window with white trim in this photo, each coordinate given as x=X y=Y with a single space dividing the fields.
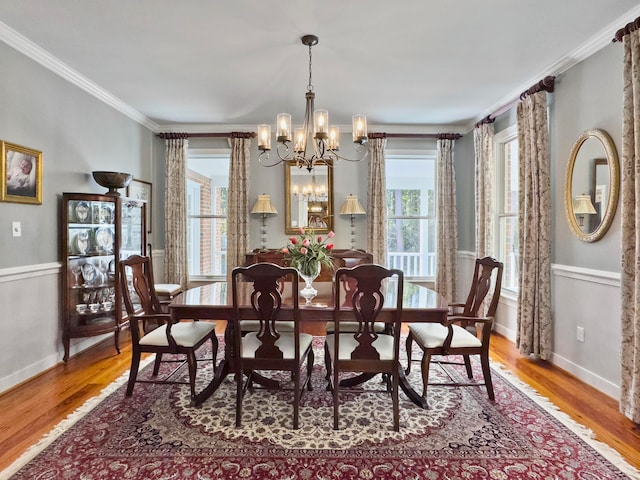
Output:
x=207 y=183
x=411 y=213
x=507 y=190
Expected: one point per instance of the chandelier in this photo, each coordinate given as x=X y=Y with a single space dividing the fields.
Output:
x=317 y=142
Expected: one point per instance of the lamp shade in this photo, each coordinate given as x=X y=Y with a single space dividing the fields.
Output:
x=263 y=205
x=582 y=205
x=351 y=206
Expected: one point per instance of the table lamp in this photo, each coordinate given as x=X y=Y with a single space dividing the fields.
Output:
x=351 y=207
x=263 y=206
x=582 y=206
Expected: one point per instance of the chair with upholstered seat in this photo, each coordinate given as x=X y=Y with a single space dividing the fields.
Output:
x=153 y=331
x=268 y=348
x=464 y=332
x=364 y=349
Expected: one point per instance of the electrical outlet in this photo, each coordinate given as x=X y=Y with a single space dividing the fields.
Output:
x=16 y=229
x=580 y=334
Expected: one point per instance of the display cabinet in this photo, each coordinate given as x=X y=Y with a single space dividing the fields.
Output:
x=97 y=231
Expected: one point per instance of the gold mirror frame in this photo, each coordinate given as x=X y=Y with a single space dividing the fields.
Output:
x=611 y=159
x=294 y=180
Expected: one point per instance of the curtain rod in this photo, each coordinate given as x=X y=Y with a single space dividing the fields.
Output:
x=174 y=135
x=439 y=136
x=546 y=84
x=627 y=29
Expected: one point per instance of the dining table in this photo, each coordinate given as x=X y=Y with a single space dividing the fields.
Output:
x=213 y=302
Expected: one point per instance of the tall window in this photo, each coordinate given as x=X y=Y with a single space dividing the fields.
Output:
x=207 y=188
x=411 y=218
x=507 y=206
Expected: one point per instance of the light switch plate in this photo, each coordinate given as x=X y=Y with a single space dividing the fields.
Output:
x=16 y=229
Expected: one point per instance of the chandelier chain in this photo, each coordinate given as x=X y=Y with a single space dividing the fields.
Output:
x=309 y=86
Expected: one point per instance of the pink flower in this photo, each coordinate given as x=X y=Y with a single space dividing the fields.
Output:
x=285 y=250
x=319 y=239
x=293 y=240
x=301 y=230
x=303 y=251
x=330 y=246
x=306 y=242
x=331 y=234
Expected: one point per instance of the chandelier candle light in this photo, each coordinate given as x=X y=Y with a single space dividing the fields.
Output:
x=263 y=206
x=351 y=207
x=317 y=142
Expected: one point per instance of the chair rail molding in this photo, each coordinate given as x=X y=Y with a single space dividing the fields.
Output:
x=12 y=274
x=587 y=274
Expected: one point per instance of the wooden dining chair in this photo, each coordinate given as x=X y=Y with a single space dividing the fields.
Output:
x=364 y=349
x=464 y=332
x=152 y=330
x=268 y=348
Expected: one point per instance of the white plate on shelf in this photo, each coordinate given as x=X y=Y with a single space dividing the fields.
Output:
x=81 y=243
x=104 y=213
x=82 y=212
x=89 y=273
x=104 y=239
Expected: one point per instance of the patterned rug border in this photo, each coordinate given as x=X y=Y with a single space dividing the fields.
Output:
x=583 y=432
x=544 y=403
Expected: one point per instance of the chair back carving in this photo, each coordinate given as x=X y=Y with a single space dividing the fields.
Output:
x=265 y=302
x=364 y=305
x=136 y=273
x=481 y=285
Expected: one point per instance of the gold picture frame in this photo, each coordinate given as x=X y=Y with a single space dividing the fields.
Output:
x=20 y=174
x=141 y=190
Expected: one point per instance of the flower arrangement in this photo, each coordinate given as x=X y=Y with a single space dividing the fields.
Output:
x=308 y=251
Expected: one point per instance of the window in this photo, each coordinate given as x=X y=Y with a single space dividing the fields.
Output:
x=207 y=186
x=411 y=218
x=507 y=206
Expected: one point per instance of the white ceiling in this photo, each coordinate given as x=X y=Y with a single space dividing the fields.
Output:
x=418 y=64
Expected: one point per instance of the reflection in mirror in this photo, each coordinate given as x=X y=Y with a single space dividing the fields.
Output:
x=591 y=185
x=309 y=199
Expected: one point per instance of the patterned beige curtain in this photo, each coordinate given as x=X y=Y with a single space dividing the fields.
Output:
x=175 y=248
x=447 y=219
x=485 y=178
x=238 y=203
x=630 y=281
x=376 y=204
x=534 y=284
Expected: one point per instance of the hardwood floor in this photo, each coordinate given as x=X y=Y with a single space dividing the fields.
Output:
x=32 y=409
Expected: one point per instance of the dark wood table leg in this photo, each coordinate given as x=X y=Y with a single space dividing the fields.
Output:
x=357 y=380
x=406 y=387
x=222 y=370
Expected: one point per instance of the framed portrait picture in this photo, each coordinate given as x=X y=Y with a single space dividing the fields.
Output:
x=21 y=174
x=141 y=190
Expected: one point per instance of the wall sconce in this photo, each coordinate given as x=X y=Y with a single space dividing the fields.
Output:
x=351 y=206
x=582 y=206
x=263 y=206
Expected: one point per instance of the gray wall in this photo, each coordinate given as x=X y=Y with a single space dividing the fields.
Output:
x=77 y=134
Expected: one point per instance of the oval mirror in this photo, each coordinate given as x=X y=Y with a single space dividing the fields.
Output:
x=309 y=198
x=591 y=185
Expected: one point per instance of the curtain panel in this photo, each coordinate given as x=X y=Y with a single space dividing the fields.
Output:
x=376 y=202
x=238 y=204
x=175 y=259
x=630 y=282
x=447 y=220
x=534 y=323
x=483 y=137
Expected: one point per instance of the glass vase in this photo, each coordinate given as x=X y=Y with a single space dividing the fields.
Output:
x=308 y=292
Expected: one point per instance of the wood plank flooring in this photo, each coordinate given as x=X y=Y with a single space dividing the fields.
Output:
x=32 y=409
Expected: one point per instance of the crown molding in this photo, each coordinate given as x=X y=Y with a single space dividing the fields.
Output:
x=596 y=43
x=57 y=66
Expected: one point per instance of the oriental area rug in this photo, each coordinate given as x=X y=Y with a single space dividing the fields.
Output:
x=157 y=435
